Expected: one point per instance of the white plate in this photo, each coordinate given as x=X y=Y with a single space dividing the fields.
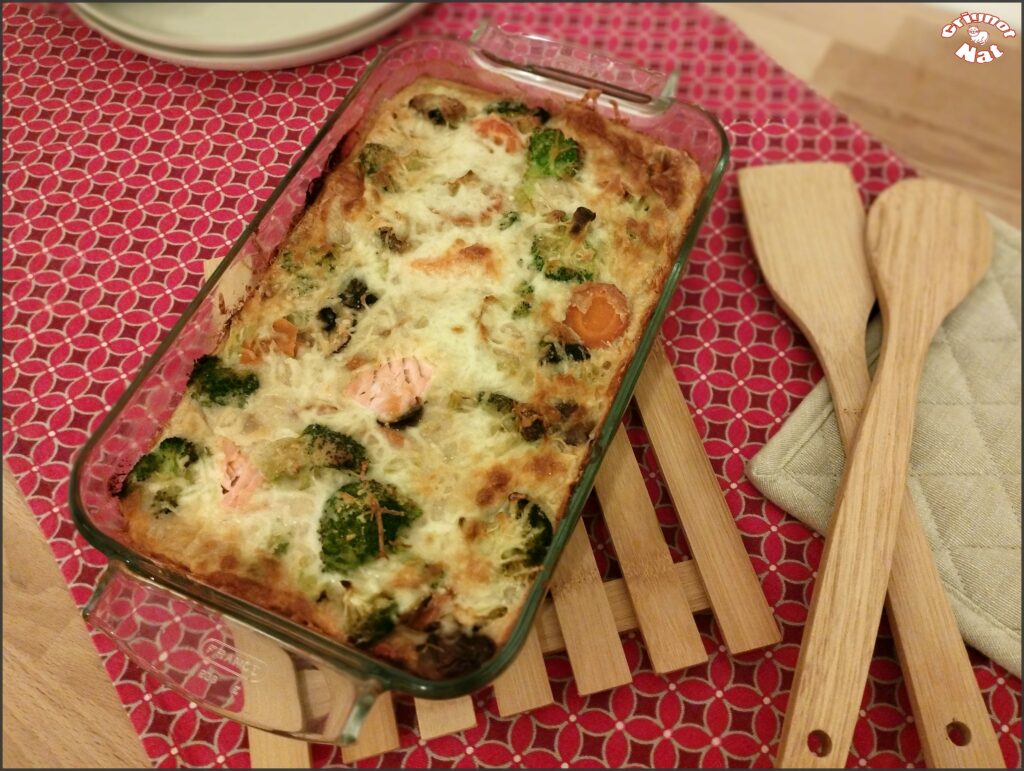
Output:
x=292 y=56
x=230 y=28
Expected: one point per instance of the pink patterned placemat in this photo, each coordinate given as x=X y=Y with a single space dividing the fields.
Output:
x=122 y=173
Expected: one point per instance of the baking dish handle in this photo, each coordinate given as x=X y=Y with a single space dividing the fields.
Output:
x=558 y=62
x=225 y=664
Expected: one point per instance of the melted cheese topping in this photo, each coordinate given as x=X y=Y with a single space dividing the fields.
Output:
x=433 y=258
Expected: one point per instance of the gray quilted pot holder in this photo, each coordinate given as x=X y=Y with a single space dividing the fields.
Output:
x=965 y=463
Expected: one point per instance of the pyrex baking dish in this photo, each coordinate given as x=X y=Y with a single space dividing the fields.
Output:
x=238 y=659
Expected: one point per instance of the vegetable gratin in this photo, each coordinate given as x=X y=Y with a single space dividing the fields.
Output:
x=389 y=430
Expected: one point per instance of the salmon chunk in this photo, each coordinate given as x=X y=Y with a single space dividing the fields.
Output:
x=240 y=479
x=394 y=391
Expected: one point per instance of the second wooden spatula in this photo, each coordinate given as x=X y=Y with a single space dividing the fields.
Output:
x=807 y=225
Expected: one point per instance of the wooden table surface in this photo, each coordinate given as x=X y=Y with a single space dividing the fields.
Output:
x=887 y=67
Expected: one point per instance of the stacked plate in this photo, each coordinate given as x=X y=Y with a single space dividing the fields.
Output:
x=245 y=36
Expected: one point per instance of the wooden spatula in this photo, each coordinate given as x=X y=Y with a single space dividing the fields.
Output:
x=929 y=245
x=806 y=221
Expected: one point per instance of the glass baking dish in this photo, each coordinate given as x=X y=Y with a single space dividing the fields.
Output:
x=238 y=659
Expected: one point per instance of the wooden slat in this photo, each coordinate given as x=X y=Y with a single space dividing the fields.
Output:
x=551 y=640
x=585 y=619
x=446 y=716
x=659 y=600
x=272 y=698
x=267 y=750
x=525 y=684
x=737 y=601
x=379 y=733
x=271 y=688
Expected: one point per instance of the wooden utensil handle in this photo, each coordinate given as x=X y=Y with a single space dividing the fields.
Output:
x=952 y=719
x=944 y=693
x=854 y=572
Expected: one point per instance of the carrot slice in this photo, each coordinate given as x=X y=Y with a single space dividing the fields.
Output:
x=250 y=355
x=498 y=131
x=286 y=336
x=598 y=313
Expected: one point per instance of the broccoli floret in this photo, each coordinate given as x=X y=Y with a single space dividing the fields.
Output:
x=535 y=421
x=367 y=623
x=504 y=407
x=531 y=534
x=165 y=501
x=515 y=415
x=508 y=219
x=497 y=402
x=326 y=260
x=522 y=309
x=362 y=521
x=212 y=383
x=377 y=162
x=390 y=240
x=280 y=548
x=567 y=275
x=561 y=257
x=549 y=352
x=554 y=352
x=162 y=473
x=356 y=295
x=524 y=306
x=374 y=157
x=317 y=447
x=328 y=318
x=334 y=336
x=538 y=531
x=531 y=424
x=167 y=461
x=305 y=271
x=508 y=107
x=550 y=153
x=577 y=351
x=329 y=449
x=338 y=319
